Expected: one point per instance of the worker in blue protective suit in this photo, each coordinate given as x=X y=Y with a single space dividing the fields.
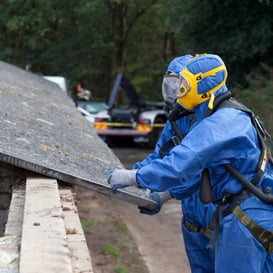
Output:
x=224 y=140
x=196 y=216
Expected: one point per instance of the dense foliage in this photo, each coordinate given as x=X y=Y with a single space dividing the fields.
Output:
x=240 y=32
x=90 y=41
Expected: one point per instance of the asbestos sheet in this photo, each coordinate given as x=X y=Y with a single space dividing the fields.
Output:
x=43 y=132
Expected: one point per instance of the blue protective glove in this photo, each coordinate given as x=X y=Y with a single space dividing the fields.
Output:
x=159 y=198
x=122 y=179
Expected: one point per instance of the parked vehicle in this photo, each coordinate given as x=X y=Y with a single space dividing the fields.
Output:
x=91 y=109
x=60 y=81
x=141 y=121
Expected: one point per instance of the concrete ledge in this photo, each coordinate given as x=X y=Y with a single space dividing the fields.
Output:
x=79 y=252
x=10 y=243
x=43 y=245
x=16 y=213
x=43 y=233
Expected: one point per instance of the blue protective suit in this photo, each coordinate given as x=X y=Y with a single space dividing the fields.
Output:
x=225 y=137
x=200 y=258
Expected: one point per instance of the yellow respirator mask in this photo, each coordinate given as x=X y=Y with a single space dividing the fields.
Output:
x=188 y=95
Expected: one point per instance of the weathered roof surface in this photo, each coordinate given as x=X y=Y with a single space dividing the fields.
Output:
x=42 y=131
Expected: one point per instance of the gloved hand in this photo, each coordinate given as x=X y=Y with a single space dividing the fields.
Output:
x=159 y=198
x=122 y=179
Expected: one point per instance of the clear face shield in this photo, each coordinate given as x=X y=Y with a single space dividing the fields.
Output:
x=170 y=85
x=170 y=92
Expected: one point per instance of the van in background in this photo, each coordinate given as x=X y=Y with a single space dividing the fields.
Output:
x=60 y=81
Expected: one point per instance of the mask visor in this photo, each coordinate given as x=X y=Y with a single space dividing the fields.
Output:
x=170 y=86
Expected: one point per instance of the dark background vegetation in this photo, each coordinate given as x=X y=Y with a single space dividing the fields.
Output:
x=90 y=41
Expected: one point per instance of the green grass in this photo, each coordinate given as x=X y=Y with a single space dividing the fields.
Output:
x=89 y=223
x=123 y=229
x=113 y=251
x=120 y=269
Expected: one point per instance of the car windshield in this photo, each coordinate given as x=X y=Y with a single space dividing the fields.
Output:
x=93 y=107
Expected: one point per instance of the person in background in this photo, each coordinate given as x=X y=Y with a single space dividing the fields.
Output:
x=83 y=94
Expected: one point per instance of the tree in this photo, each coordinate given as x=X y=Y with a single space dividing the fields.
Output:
x=86 y=41
x=241 y=33
x=136 y=34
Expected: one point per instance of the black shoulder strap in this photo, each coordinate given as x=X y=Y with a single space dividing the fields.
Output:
x=169 y=144
x=217 y=102
x=173 y=141
x=227 y=101
x=177 y=136
x=261 y=131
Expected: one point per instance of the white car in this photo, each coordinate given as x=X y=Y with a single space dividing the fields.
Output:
x=92 y=109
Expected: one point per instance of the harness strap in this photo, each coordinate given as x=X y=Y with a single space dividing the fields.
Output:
x=218 y=100
x=213 y=229
x=193 y=228
x=231 y=204
x=234 y=200
x=224 y=208
x=177 y=135
x=206 y=232
x=169 y=144
x=262 y=133
x=265 y=151
x=263 y=235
